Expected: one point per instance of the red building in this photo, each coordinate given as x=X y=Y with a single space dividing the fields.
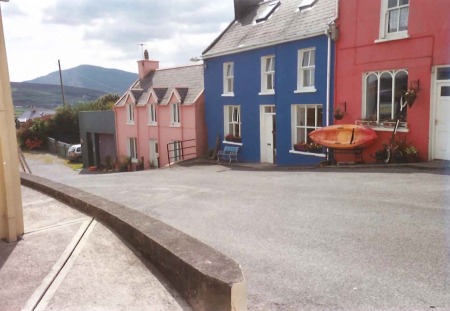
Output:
x=385 y=48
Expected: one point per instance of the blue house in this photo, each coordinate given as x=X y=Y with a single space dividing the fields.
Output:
x=269 y=79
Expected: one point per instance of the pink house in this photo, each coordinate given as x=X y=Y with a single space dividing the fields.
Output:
x=386 y=47
x=160 y=119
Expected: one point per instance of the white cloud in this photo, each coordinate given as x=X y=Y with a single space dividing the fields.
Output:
x=107 y=32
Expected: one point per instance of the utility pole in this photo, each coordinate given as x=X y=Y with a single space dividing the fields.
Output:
x=11 y=214
x=61 y=82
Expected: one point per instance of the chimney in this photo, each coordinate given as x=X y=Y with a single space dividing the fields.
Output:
x=243 y=7
x=146 y=66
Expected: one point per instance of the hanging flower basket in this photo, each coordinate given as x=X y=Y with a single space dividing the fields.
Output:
x=338 y=114
x=410 y=96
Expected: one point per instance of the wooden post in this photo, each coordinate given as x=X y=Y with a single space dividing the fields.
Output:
x=11 y=215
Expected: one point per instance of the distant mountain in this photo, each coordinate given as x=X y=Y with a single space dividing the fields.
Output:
x=49 y=96
x=91 y=77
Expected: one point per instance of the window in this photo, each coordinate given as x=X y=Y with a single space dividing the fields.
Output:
x=305 y=119
x=394 y=19
x=132 y=148
x=130 y=114
x=228 y=78
x=268 y=75
x=152 y=114
x=306 y=4
x=306 y=70
x=269 y=9
x=443 y=73
x=383 y=91
x=175 y=114
x=232 y=123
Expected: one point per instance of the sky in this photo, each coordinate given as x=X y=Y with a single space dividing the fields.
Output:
x=107 y=33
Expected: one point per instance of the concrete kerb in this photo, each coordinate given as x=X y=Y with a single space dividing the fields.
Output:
x=206 y=278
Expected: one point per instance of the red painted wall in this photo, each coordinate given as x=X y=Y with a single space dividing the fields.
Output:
x=357 y=53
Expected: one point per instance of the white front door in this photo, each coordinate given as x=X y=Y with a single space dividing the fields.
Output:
x=154 y=153
x=442 y=123
x=267 y=131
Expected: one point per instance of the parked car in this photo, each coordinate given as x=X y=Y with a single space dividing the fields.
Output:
x=74 y=153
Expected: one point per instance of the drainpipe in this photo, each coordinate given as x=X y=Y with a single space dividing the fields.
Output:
x=332 y=34
x=328 y=81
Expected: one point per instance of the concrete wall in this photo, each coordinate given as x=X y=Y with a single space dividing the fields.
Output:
x=204 y=277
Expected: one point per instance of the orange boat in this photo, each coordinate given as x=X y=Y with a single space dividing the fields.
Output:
x=345 y=136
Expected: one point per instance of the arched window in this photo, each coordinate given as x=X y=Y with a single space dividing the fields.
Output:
x=383 y=91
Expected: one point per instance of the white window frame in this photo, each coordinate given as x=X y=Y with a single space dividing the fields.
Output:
x=228 y=79
x=384 y=34
x=132 y=148
x=175 y=114
x=152 y=118
x=296 y=124
x=130 y=114
x=232 y=119
x=267 y=75
x=309 y=67
x=378 y=74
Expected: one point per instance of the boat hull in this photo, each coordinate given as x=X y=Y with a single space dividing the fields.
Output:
x=346 y=136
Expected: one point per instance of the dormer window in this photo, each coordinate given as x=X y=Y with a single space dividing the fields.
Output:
x=306 y=4
x=270 y=8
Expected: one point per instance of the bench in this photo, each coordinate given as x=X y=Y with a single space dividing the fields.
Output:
x=229 y=152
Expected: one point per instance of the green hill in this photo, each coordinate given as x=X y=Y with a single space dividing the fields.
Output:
x=91 y=77
x=49 y=96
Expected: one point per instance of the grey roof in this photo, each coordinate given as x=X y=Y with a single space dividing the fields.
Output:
x=286 y=23
x=34 y=114
x=187 y=81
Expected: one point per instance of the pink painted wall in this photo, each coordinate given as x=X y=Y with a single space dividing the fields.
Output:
x=357 y=53
x=192 y=126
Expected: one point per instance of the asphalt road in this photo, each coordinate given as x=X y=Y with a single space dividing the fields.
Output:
x=306 y=240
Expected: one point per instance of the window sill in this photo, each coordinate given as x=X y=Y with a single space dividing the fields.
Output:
x=153 y=124
x=175 y=125
x=130 y=123
x=311 y=90
x=392 y=38
x=319 y=155
x=228 y=94
x=384 y=127
x=267 y=93
x=231 y=143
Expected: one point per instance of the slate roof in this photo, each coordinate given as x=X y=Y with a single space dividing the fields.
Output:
x=187 y=81
x=286 y=23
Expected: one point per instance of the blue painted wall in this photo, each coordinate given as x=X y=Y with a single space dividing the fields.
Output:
x=247 y=85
